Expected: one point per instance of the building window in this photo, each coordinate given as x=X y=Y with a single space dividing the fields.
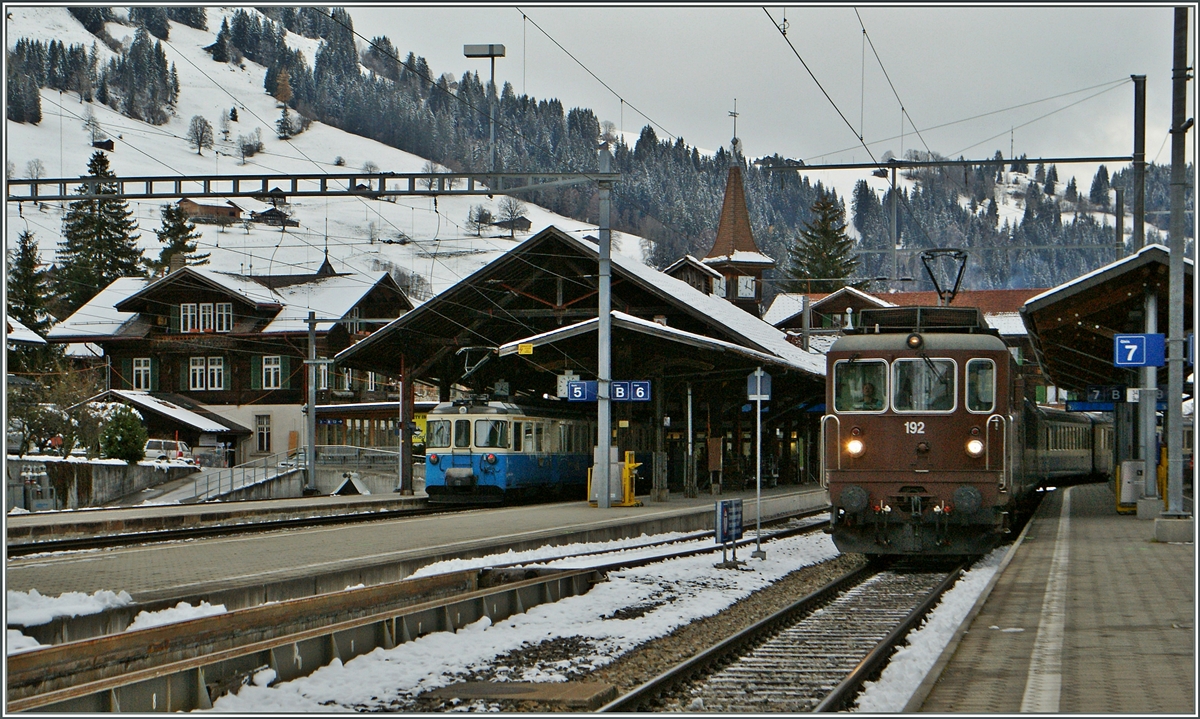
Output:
x=141 y=373
x=370 y=381
x=224 y=316
x=323 y=376
x=216 y=373
x=271 y=367
x=187 y=317
x=196 y=376
x=262 y=432
x=348 y=379
x=355 y=324
x=206 y=317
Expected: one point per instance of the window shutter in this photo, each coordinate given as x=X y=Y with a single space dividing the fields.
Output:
x=256 y=372
x=154 y=374
x=285 y=372
x=174 y=322
x=183 y=375
x=126 y=373
x=226 y=375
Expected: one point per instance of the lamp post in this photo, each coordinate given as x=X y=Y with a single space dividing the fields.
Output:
x=492 y=51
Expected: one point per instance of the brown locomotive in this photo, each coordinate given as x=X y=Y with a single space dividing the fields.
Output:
x=929 y=445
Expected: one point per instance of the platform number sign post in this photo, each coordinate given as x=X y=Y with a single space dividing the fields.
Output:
x=1146 y=350
x=758 y=388
x=581 y=391
x=728 y=526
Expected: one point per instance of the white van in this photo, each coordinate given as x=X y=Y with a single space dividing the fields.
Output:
x=166 y=449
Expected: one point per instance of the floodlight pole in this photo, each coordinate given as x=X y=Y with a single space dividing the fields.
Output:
x=310 y=484
x=601 y=469
x=491 y=51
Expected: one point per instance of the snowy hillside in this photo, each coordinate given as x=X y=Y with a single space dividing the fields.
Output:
x=442 y=249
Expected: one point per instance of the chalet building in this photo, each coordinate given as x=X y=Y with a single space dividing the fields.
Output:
x=274 y=216
x=734 y=253
x=695 y=273
x=226 y=213
x=518 y=224
x=234 y=346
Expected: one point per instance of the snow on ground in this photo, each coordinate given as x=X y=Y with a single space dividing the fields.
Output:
x=674 y=593
x=32 y=608
x=911 y=663
x=181 y=612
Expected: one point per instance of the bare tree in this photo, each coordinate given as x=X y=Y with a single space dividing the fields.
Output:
x=370 y=167
x=200 y=134
x=34 y=169
x=225 y=127
x=478 y=218
x=608 y=131
x=511 y=209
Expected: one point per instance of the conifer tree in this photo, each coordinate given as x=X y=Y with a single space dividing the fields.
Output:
x=99 y=244
x=822 y=255
x=179 y=236
x=1071 y=194
x=1098 y=195
x=28 y=300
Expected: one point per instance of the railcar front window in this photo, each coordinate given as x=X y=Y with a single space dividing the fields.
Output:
x=923 y=385
x=981 y=385
x=859 y=386
x=491 y=433
x=462 y=433
x=437 y=434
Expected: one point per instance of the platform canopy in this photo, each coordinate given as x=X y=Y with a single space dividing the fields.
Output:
x=1072 y=325
x=540 y=292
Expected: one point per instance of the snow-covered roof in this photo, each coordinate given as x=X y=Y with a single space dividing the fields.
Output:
x=864 y=296
x=99 y=317
x=1009 y=324
x=239 y=285
x=83 y=350
x=332 y=296
x=1084 y=280
x=20 y=334
x=637 y=324
x=741 y=257
x=785 y=306
x=147 y=401
x=735 y=320
x=693 y=261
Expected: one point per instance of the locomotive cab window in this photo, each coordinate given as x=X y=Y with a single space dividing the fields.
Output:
x=491 y=433
x=859 y=386
x=981 y=385
x=923 y=385
x=437 y=434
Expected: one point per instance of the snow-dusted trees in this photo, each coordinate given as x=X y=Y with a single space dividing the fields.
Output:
x=179 y=236
x=822 y=255
x=1098 y=195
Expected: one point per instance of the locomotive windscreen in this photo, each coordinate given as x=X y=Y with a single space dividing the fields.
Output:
x=921 y=319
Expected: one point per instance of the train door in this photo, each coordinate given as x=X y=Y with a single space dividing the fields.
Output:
x=460 y=453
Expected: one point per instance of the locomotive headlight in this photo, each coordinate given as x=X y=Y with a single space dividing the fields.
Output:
x=855 y=447
x=975 y=447
x=914 y=341
x=433 y=459
x=490 y=458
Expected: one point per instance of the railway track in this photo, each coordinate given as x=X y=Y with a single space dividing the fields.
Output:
x=185 y=666
x=811 y=656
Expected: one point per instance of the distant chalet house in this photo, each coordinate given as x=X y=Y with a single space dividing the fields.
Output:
x=275 y=217
x=233 y=346
x=227 y=213
x=103 y=145
x=520 y=224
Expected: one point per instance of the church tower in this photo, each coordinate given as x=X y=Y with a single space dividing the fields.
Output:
x=734 y=253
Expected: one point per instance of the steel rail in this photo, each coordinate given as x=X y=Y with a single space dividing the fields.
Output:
x=733 y=645
x=837 y=699
x=160 y=669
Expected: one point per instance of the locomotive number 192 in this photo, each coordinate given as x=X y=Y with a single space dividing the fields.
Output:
x=914 y=428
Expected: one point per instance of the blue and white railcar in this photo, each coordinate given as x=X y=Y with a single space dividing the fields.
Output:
x=489 y=452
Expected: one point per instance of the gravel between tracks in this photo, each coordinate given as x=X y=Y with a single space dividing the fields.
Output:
x=651 y=659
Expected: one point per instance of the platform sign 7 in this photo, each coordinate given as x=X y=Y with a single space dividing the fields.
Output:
x=1146 y=350
x=639 y=391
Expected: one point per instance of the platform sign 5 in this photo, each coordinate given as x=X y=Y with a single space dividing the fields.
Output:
x=1148 y=350
x=639 y=391
x=620 y=391
x=581 y=391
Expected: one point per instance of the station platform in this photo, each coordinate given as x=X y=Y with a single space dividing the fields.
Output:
x=246 y=570
x=106 y=521
x=1089 y=615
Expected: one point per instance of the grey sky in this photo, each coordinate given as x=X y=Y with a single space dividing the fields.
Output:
x=683 y=67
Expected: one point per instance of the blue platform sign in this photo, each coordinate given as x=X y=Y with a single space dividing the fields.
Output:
x=1148 y=350
x=581 y=391
x=729 y=520
x=620 y=391
x=639 y=391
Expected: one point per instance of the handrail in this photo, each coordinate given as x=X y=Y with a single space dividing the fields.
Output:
x=987 y=444
x=243 y=475
x=824 y=478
